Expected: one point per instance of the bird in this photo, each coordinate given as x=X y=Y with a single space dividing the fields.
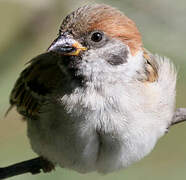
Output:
x=96 y=99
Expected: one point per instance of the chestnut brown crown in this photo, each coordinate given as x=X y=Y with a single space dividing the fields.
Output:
x=106 y=19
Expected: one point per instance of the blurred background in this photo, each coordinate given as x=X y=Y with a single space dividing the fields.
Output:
x=27 y=27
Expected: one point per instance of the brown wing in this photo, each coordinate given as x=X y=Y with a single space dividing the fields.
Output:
x=37 y=82
x=151 y=67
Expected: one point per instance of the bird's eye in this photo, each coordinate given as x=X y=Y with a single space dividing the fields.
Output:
x=97 y=37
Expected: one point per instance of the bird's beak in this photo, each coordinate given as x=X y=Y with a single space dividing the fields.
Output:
x=66 y=45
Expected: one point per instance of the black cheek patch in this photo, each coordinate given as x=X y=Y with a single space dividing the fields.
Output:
x=114 y=59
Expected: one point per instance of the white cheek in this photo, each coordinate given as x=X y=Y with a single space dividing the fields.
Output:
x=95 y=67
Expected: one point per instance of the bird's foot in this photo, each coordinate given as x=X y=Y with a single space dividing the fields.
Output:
x=47 y=165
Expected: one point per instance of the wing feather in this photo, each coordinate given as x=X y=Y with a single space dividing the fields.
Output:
x=36 y=82
x=151 y=67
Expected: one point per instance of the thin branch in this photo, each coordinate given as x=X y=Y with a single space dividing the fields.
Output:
x=34 y=166
x=179 y=116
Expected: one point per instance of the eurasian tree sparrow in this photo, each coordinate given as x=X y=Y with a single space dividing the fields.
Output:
x=96 y=100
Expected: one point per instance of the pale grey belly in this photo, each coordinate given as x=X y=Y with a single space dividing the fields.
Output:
x=68 y=141
x=74 y=142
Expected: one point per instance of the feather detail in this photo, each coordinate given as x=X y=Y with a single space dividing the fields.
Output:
x=151 y=67
x=36 y=83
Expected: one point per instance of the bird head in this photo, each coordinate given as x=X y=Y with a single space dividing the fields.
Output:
x=98 y=41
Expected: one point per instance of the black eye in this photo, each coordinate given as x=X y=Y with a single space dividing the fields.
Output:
x=97 y=37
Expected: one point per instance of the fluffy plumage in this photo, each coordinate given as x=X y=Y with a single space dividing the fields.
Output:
x=100 y=110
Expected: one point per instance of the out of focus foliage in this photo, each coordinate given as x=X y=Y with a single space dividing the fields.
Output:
x=27 y=29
